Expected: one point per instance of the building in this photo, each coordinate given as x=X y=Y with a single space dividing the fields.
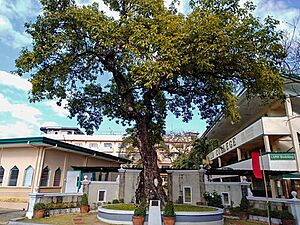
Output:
x=43 y=165
x=270 y=126
x=112 y=143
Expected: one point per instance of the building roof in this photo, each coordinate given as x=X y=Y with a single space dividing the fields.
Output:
x=43 y=141
x=75 y=129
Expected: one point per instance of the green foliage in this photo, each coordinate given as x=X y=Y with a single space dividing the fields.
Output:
x=84 y=200
x=213 y=199
x=39 y=206
x=169 y=209
x=193 y=159
x=115 y=201
x=244 y=205
x=130 y=207
x=150 y=61
x=192 y=208
x=121 y=200
x=140 y=210
x=286 y=215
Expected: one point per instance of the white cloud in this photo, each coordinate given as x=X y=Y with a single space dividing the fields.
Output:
x=49 y=124
x=18 y=129
x=15 y=81
x=22 y=112
x=59 y=110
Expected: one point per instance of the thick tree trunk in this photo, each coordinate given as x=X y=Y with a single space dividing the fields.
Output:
x=151 y=187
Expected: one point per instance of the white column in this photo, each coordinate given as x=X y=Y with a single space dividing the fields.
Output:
x=219 y=162
x=289 y=113
x=239 y=154
x=267 y=143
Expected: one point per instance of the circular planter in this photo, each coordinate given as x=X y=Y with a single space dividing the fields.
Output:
x=84 y=208
x=169 y=220
x=113 y=216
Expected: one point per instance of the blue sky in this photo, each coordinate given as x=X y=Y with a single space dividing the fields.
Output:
x=18 y=117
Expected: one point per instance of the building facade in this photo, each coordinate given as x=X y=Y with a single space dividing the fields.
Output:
x=43 y=165
x=271 y=127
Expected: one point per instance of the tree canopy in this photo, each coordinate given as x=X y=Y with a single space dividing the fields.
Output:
x=149 y=61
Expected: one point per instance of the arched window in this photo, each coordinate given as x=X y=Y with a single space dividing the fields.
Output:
x=28 y=176
x=1 y=175
x=45 y=177
x=57 y=176
x=13 y=177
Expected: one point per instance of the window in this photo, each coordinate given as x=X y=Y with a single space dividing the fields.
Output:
x=101 y=195
x=13 y=177
x=108 y=145
x=1 y=174
x=93 y=145
x=28 y=176
x=187 y=195
x=57 y=176
x=225 y=198
x=45 y=177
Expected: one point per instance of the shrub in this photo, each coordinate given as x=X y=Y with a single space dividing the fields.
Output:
x=115 y=201
x=39 y=206
x=84 y=200
x=140 y=210
x=286 y=215
x=213 y=199
x=169 y=209
x=121 y=200
x=258 y=212
x=244 y=205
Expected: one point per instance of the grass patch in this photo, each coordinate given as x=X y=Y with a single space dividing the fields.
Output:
x=193 y=208
x=178 y=208
x=129 y=207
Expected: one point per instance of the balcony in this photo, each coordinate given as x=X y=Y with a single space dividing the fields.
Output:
x=263 y=126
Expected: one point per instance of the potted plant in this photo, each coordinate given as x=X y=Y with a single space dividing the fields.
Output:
x=244 y=205
x=39 y=210
x=139 y=214
x=84 y=204
x=287 y=218
x=169 y=214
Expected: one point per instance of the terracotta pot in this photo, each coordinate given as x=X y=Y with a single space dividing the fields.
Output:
x=169 y=220
x=243 y=215
x=288 y=222
x=84 y=208
x=39 y=213
x=138 y=220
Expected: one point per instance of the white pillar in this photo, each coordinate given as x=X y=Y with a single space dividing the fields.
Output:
x=219 y=162
x=289 y=113
x=267 y=143
x=295 y=207
x=239 y=154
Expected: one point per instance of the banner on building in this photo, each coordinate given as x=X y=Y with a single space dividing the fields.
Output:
x=256 y=165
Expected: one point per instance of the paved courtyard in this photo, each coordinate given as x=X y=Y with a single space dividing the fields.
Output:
x=8 y=214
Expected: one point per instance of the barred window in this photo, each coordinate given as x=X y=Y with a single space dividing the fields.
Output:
x=57 y=177
x=1 y=174
x=13 y=177
x=45 y=177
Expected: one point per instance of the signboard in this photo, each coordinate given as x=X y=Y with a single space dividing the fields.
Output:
x=282 y=156
x=244 y=136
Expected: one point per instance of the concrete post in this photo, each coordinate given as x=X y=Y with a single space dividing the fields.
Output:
x=219 y=162
x=267 y=143
x=239 y=154
x=295 y=207
x=122 y=182
x=170 y=186
x=85 y=185
x=33 y=199
x=202 y=172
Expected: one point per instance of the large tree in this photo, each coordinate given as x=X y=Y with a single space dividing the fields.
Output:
x=148 y=61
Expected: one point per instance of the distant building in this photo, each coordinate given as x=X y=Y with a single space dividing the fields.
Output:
x=112 y=144
x=270 y=126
